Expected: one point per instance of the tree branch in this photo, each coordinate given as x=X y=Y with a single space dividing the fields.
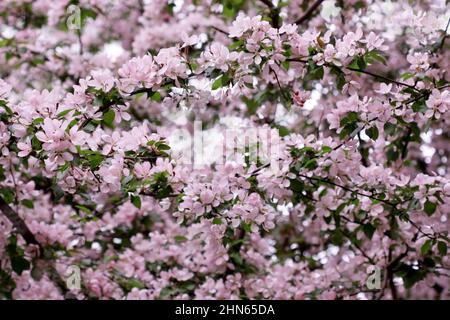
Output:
x=18 y=223
x=274 y=13
x=30 y=239
x=309 y=12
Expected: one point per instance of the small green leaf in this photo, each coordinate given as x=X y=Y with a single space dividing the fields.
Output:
x=369 y=230
x=246 y=227
x=136 y=201
x=373 y=56
x=317 y=73
x=326 y=149
x=217 y=221
x=38 y=121
x=156 y=96
x=426 y=247
x=7 y=194
x=19 y=264
x=407 y=75
x=237 y=259
x=429 y=207
x=180 y=238
x=84 y=209
x=28 y=203
x=389 y=128
x=63 y=113
x=442 y=248
x=95 y=160
x=372 y=133
x=217 y=83
x=108 y=118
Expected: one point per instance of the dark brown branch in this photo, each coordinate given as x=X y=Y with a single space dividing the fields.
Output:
x=268 y=3
x=21 y=228
x=347 y=189
x=220 y=30
x=18 y=223
x=381 y=77
x=372 y=74
x=274 y=13
x=361 y=250
x=309 y=12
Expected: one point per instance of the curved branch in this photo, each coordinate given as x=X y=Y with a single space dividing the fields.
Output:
x=30 y=239
x=309 y=12
x=18 y=223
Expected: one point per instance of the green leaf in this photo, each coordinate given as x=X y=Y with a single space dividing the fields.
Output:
x=442 y=248
x=340 y=81
x=221 y=81
x=246 y=227
x=426 y=247
x=28 y=203
x=180 y=238
x=7 y=194
x=136 y=201
x=237 y=259
x=349 y=118
x=156 y=96
x=217 y=83
x=108 y=118
x=407 y=75
x=372 y=133
x=129 y=284
x=84 y=209
x=373 y=56
x=392 y=154
x=296 y=185
x=38 y=121
x=389 y=128
x=19 y=264
x=63 y=113
x=282 y=130
x=217 y=221
x=326 y=149
x=317 y=73
x=36 y=144
x=369 y=230
x=354 y=64
x=362 y=64
x=311 y=164
x=429 y=207
x=16 y=254
x=410 y=275
x=95 y=160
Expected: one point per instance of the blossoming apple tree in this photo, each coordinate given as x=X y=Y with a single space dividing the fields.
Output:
x=354 y=96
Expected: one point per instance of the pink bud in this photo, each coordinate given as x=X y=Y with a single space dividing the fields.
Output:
x=206 y=196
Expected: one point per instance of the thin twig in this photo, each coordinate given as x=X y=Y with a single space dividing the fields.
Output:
x=445 y=35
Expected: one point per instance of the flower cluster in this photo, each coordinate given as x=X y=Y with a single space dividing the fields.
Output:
x=326 y=135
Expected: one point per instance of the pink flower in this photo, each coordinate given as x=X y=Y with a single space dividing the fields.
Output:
x=5 y=89
x=384 y=88
x=219 y=56
x=139 y=71
x=438 y=103
x=102 y=80
x=25 y=148
x=172 y=65
x=206 y=196
x=53 y=135
x=142 y=170
x=189 y=41
x=419 y=61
